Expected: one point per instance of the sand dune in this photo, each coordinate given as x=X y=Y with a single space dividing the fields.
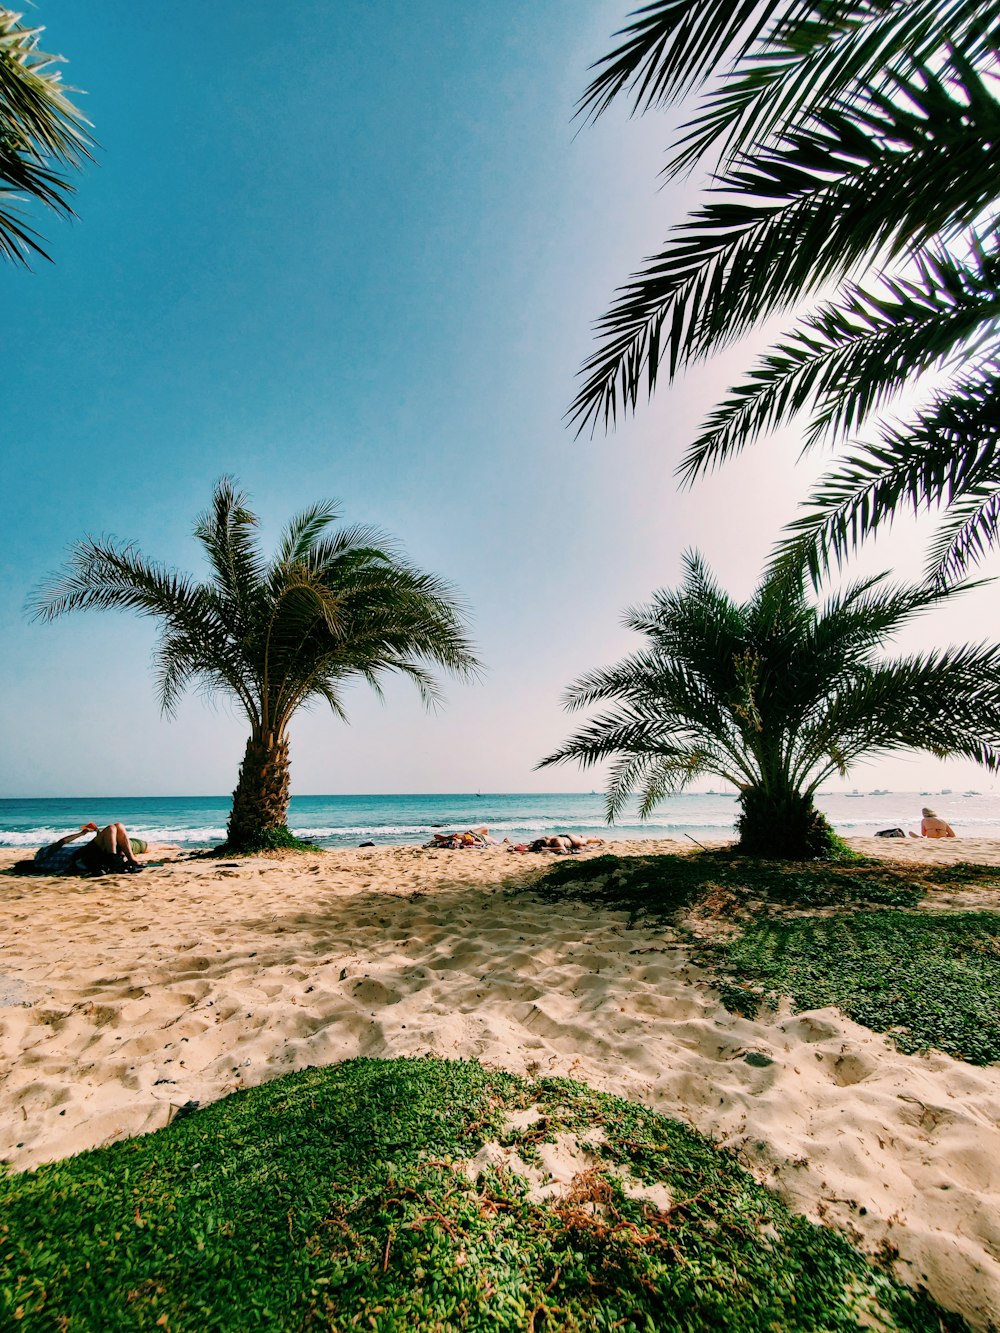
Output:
x=124 y=998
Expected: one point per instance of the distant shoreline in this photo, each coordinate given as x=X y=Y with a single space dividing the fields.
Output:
x=477 y=795
x=410 y=820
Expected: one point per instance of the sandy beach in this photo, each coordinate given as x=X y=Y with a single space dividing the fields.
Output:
x=124 y=998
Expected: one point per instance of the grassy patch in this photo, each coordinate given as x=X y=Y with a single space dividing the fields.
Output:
x=661 y=886
x=963 y=874
x=333 y=1199
x=929 y=979
x=267 y=840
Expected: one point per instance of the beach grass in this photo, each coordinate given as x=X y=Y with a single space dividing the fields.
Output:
x=929 y=979
x=658 y=887
x=342 y=1198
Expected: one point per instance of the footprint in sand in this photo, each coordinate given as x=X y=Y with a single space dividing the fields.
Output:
x=370 y=991
x=851 y=1067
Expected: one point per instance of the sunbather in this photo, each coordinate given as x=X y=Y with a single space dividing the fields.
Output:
x=933 y=826
x=473 y=837
x=109 y=851
x=563 y=842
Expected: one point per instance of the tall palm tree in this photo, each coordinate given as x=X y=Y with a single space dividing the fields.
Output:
x=775 y=696
x=41 y=133
x=852 y=146
x=332 y=605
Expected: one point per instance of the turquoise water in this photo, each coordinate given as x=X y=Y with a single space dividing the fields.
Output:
x=332 y=821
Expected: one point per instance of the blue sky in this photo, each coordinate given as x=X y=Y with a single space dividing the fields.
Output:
x=353 y=251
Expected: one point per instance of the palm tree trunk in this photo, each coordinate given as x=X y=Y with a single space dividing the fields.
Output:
x=783 y=824
x=260 y=802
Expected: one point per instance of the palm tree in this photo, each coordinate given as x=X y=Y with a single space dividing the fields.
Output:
x=852 y=146
x=775 y=696
x=331 y=606
x=41 y=132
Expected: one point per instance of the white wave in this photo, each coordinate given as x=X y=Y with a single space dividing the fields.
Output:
x=517 y=825
x=38 y=837
x=42 y=836
x=498 y=826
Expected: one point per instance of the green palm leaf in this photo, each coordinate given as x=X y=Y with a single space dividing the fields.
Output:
x=843 y=137
x=672 y=45
x=948 y=458
x=845 y=361
x=809 y=66
x=41 y=133
x=860 y=180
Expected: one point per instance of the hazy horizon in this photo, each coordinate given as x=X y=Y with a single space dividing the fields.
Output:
x=467 y=792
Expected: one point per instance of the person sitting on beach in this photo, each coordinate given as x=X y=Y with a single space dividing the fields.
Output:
x=932 y=826
x=111 y=850
x=473 y=837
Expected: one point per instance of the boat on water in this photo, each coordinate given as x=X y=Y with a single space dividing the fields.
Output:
x=855 y=793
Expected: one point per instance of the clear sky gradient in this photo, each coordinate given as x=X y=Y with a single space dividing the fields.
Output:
x=354 y=251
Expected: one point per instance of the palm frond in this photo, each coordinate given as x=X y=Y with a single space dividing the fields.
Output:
x=804 y=67
x=326 y=689
x=860 y=180
x=628 y=773
x=227 y=531
x=952 y=449
x=41 y=132
x=945 y=703
x=672 y=44
x=304 y=531
x=103 y=575
x=174 y=670
x=358 y=544
x=970 y=531
x=17 y=237
x=427 y=684
x=202 y=656
x=846 y=360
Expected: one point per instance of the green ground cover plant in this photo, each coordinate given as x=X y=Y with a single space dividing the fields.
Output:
x=930 y=979
x=336 y=1199
x=659 y=887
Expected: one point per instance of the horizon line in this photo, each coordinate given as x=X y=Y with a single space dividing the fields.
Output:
x=474 y=795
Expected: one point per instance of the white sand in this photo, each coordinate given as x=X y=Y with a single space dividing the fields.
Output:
x=125 y=997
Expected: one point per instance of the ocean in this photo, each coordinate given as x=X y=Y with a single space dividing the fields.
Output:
x=346 y=821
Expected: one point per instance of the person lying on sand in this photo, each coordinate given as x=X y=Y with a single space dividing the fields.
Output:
x=473 y=837
x=560 y=842
x=111 y=851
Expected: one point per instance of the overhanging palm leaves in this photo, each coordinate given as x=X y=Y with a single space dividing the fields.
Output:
x=950 y=454
x=41 y=133
x=775 y=696
x=333 y=605
x=843 y=136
